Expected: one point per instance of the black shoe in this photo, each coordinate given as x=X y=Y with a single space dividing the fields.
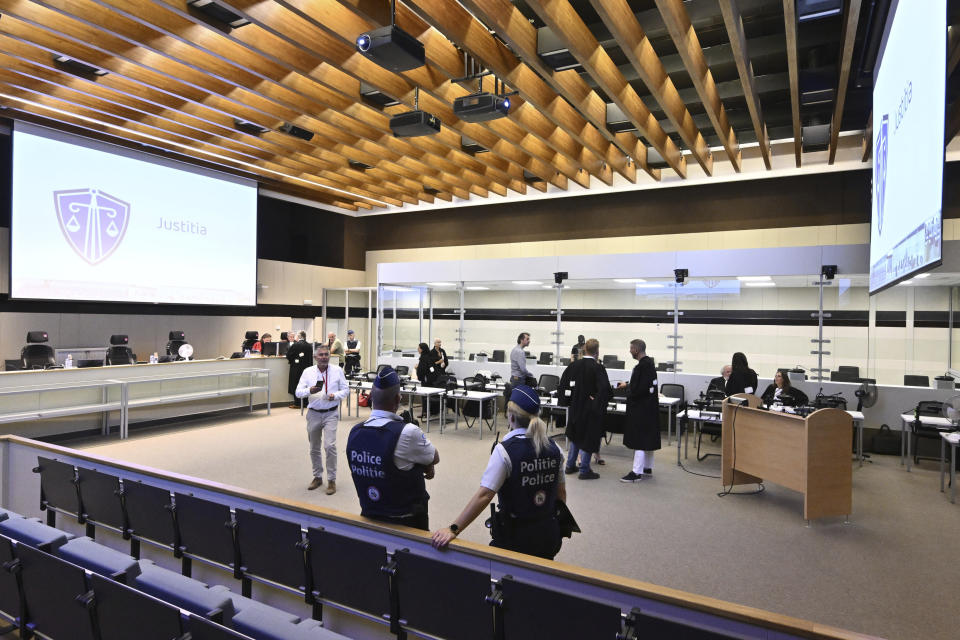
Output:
x=648 y=472
x=570 y=470
x=588 y=475
x=631 y=477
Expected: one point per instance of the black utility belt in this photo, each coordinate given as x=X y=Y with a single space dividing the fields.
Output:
x=324 y=410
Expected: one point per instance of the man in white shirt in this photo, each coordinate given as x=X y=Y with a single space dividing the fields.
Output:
x=326 y=386
x=390 y=459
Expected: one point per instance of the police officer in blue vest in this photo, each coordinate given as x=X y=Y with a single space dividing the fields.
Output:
x=525 y=471
x=390 y=459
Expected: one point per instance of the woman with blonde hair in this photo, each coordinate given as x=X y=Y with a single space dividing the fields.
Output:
x=525 y=472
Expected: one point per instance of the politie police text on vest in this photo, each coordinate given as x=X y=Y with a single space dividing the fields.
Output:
x=366 y=465
x=538 y=471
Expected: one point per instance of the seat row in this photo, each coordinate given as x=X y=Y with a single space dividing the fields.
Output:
x=426 y=594
x=64 y=587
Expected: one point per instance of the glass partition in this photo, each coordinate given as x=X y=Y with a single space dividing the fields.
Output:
x=772 y=319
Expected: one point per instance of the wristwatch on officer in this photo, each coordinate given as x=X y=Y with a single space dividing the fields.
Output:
x=454 y=529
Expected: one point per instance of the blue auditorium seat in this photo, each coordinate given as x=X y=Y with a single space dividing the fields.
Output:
x=34 y=533
x=267 y=623
x=184 y=592
x=107 y=562
x=263 y=622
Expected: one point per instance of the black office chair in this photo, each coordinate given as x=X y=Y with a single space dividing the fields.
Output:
x=118 y=352
x=176 y=340
x=843 y=376
x=547 y=384
x=927 y=408
x=36 y=354
x=854 y=371
x=609 y=359
x=546 y=357
x=665 y=366
x=616 y=364
x=564 y=362
x=498 y=355
x=249 y=338
x=916 y=381
x=403 y=370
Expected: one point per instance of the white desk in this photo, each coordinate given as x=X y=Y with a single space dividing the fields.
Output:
x=951 y=439
x=698 y=417
x=426 y=393
x=472 y=396
x=906 y=442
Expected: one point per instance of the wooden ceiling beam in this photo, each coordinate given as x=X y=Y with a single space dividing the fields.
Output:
x=17 y=31
x=580 y=111
x=156 y=137
x=633 y=41
x=566 y=24
x=238 y=101
x=296 y=51
x=793 y=68
x=848 y=37
x=733 y=22
x=445 y=57
x=128 y=117
x=684 y=37
x=335 y=38
x=290 y=29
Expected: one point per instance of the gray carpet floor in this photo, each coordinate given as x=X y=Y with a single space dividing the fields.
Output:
x=888 y=572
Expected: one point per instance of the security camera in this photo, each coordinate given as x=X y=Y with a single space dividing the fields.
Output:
x=681 y=275
x=560 y=276
x=828 y=271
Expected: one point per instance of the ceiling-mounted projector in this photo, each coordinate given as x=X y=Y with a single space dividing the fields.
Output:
x=414 y=123
x=481 y=107
x=392 y=48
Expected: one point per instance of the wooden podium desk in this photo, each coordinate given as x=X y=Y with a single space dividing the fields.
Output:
x=810 y=455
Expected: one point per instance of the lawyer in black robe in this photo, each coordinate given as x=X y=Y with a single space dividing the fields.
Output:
x=587 y=399
x=641 y=430
x=300 y=357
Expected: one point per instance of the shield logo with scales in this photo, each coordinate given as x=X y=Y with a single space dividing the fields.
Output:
x=880 y=171
x=93 y=222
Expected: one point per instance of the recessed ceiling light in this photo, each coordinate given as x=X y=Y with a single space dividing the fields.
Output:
x=907 y=282
x=650 y=286
x=399 y=289
x=526 y=282
x=753 y=278
x=442 y=284
x=628 y=280
x=478 y=288
x=922 y=275
x=759 y=284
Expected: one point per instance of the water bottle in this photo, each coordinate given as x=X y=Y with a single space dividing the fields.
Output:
x=153 y=358
x=68 y=363
x=246 y=353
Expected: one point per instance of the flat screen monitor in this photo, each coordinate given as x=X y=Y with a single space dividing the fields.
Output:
x=906 y=229
x=93 y=221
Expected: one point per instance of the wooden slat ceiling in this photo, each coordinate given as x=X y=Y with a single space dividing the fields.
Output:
x=631 y=90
